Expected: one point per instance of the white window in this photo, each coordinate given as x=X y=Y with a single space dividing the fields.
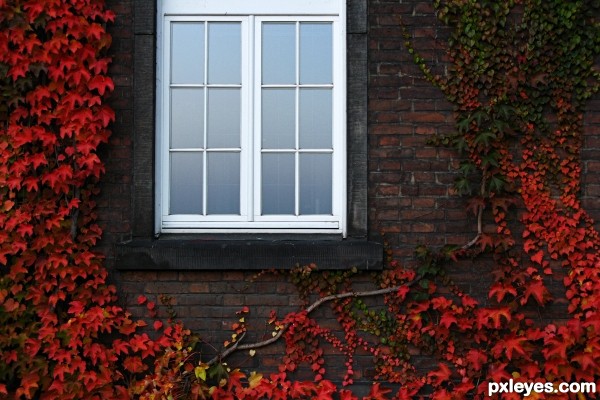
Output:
x=251 y=116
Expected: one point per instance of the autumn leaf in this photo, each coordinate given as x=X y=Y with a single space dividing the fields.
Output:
x=499 y=290
x=495 y=315
x=442 y=374
x=157 y=325
x=538 y=290
x=510 y=344
x=254 y=379
x=448 y=319
x=134 y=364
x=105 y=114
x=101 y=83
x=538 y=257
x=476 y=358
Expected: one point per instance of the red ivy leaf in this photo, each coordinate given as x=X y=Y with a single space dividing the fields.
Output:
x=106 y=115
x=134 y=364
x=476 y=358
x=440 y=375
x=95 y=31
x=538 y=290
x=509 y=345
x=25 y=230
x=538 y=257
x=76 y=307
x=495 y=315
x=101 y=83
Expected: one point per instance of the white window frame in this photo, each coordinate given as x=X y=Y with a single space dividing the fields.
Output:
x=251 y=14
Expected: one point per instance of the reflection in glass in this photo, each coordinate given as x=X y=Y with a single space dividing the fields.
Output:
x=187 y=52
x=278 y=118
x=186 y=183
x=278 y=53
x=315 y=118
x=223 y=183
x=224 y=115
x=315 y=184
x=278 y=196
x=224 y=53
x=187 y=118
x=316 y=53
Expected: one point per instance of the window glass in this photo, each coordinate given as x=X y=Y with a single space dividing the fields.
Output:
x=278 y=53
x=186 y=183
x=224 y=53
x=223 y=117
x=315 y=118
x=187 y=118
x=278 y=189
x=223 y=183
x=187 y=52
x=316 y=57
x=278 y=118
x=315 y=184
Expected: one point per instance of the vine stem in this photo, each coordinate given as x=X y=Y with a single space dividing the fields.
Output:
x=472 y=242
x=237 y=346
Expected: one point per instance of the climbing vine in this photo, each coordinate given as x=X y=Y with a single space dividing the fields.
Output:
x=62 y=334
x=520 y=75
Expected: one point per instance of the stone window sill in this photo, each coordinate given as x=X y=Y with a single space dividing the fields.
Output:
x=203 y=252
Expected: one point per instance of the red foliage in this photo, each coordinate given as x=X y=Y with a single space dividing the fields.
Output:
x=57 y=314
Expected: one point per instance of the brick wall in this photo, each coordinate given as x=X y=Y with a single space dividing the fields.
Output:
x=115 y=199
x=410 y=195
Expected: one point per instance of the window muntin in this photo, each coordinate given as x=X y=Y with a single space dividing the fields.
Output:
x=252 y=135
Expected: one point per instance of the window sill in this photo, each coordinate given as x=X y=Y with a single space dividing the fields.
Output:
x=203 y=252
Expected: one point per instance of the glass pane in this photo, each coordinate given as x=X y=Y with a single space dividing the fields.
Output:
x=278 y=196
x=315 y=184
x=278 y=118
x=223 y=183
x=316 y=53
x=224 y=53
x=187 y=52
x=278 y=53
x=224 y=116
x=315 y=118
x=186 y=183
x=187 y=118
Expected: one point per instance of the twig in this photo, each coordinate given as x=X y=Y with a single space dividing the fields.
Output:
x=472 y=242
x=480 y=208
x=368 y=293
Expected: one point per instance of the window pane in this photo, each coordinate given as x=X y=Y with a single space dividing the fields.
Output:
x=187 y=52
x=278 y=53
x=186 y=183
x=315 y=118
x=224 y=115
x=187 y=118
x=224 y=53
x=315 y=184
x=223 y=183
x=278 y=118
x=278 y=196
x=316 y=53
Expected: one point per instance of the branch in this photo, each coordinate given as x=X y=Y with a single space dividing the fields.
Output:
x=472 y=242
x=368 y=293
